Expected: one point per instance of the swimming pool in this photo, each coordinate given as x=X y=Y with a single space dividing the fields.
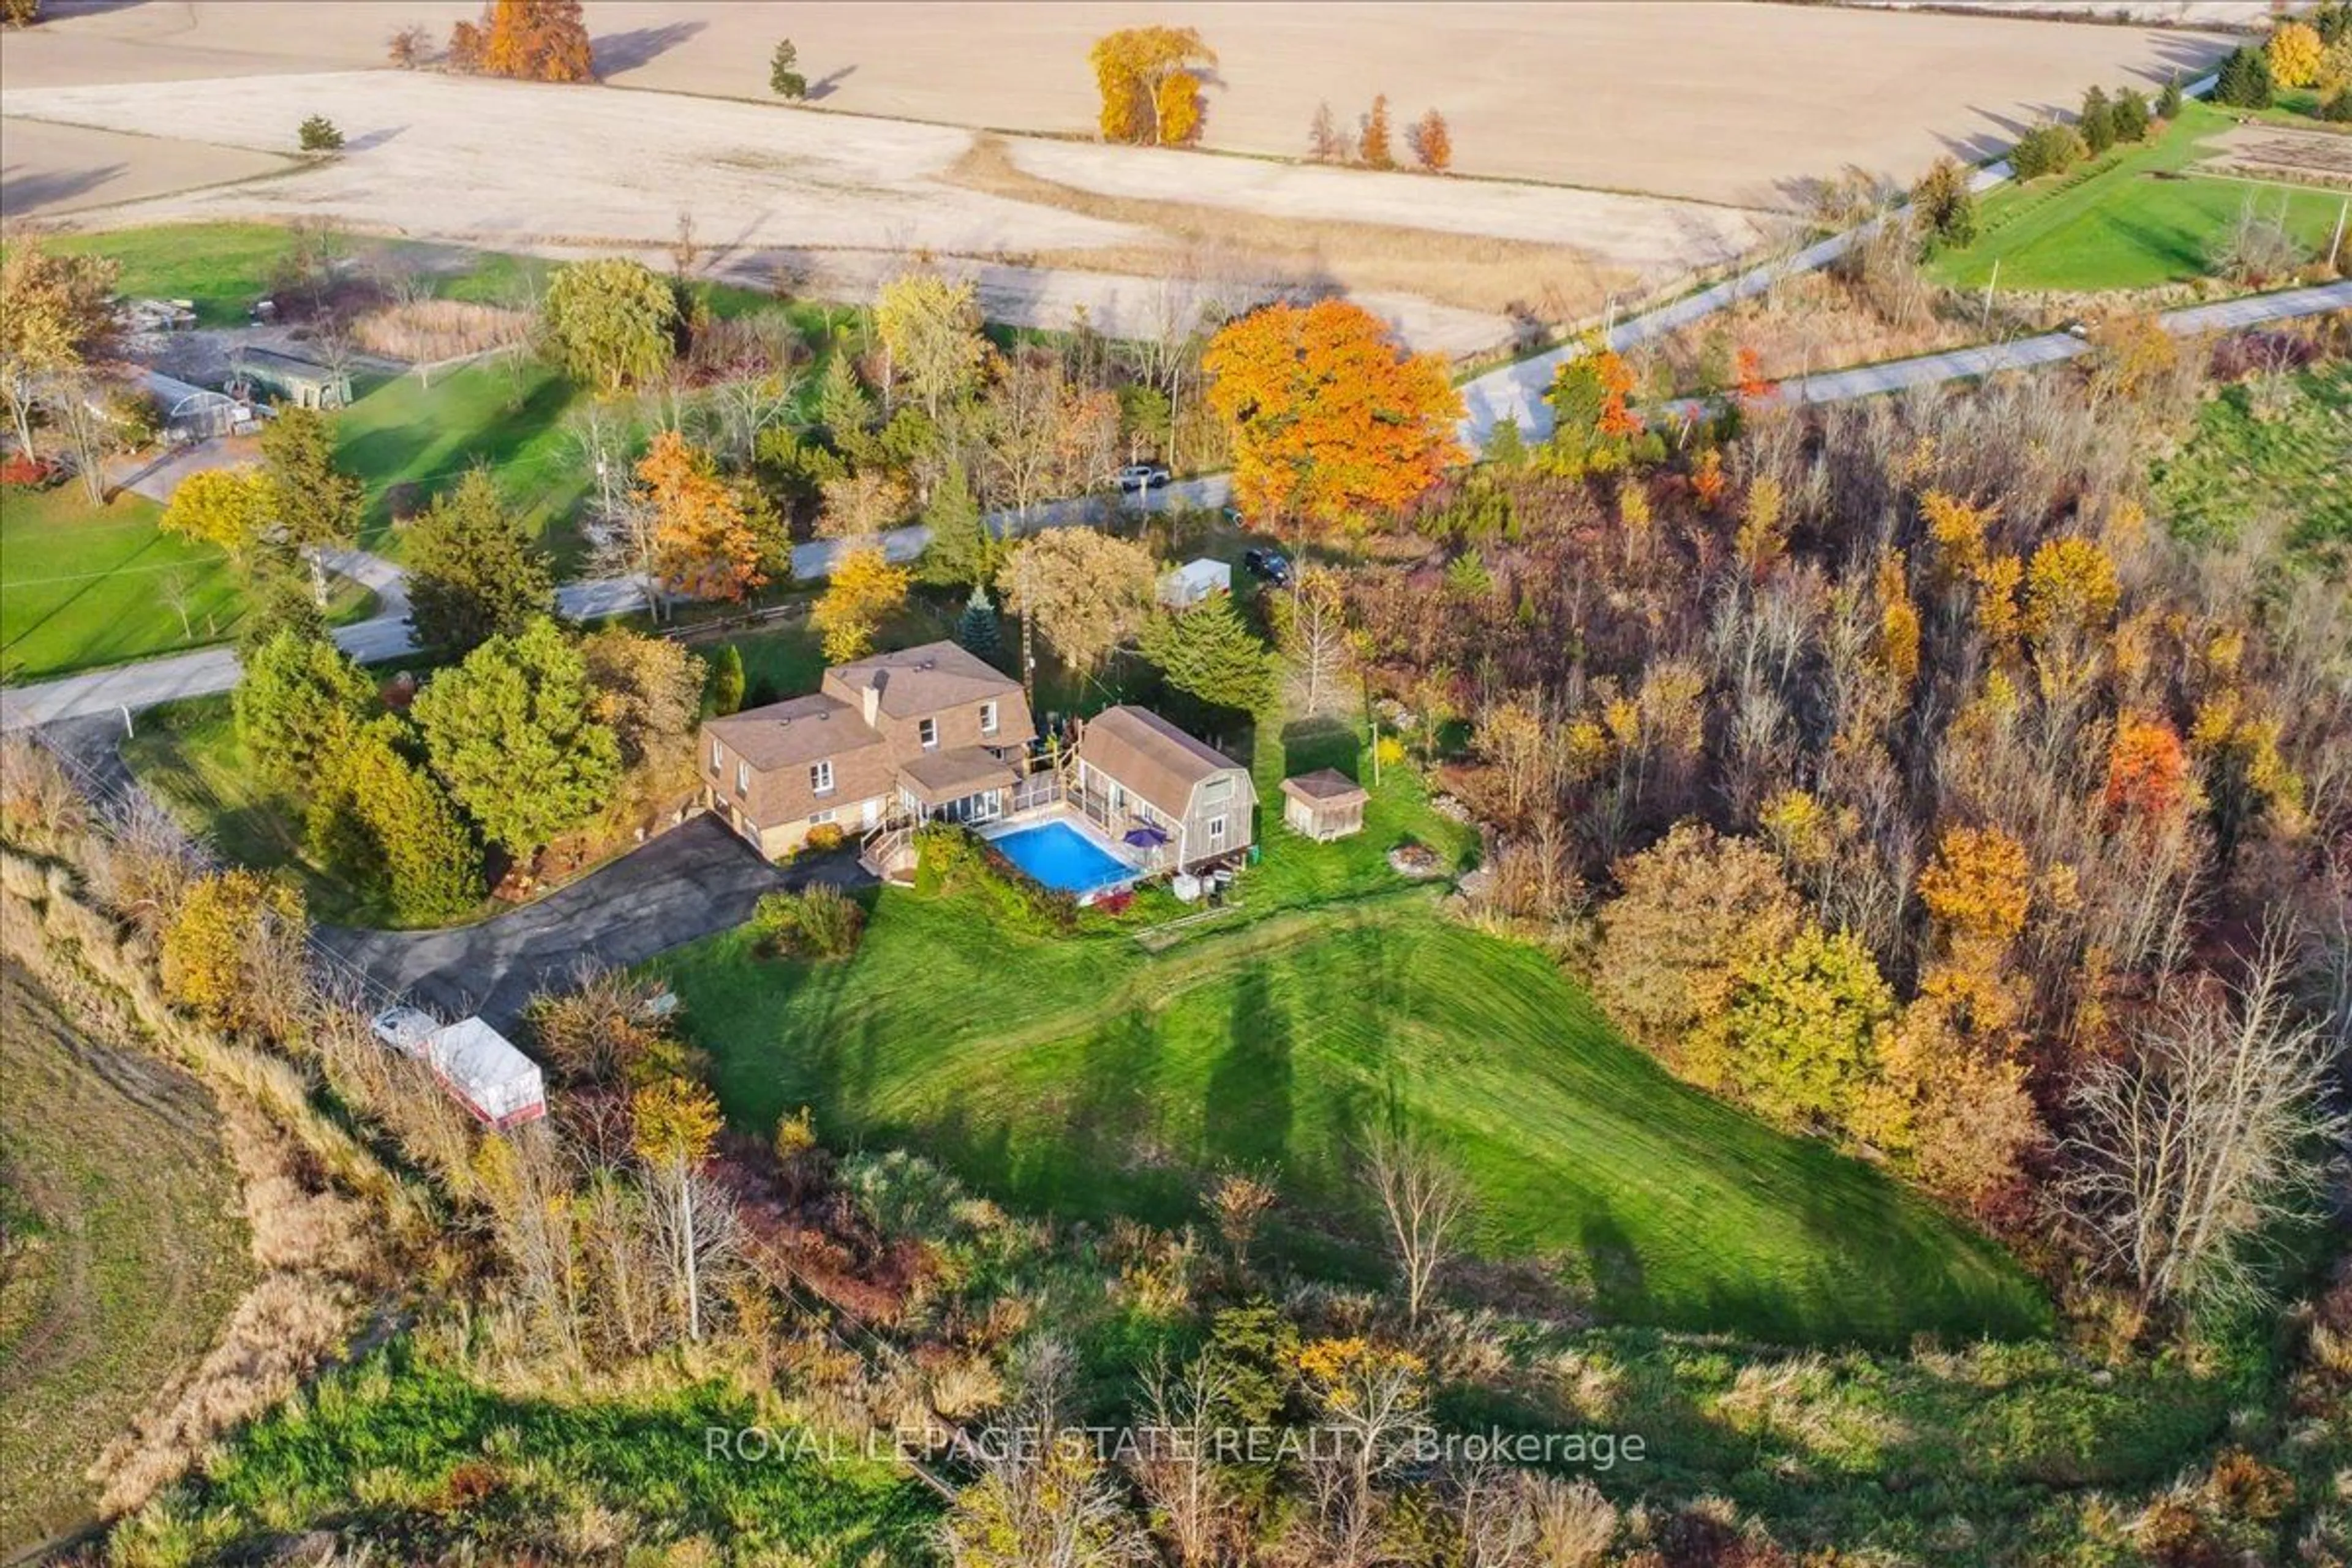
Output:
x=1060 y=857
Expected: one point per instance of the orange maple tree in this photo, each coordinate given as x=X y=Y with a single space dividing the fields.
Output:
x=1331 y=421
x=532 y=40
x=1748 y=379
x=2147 y=770
x=703 y=544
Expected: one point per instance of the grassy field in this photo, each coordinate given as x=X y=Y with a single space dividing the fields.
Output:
x=508 y=413
x=223 y=266
x=83 y=586
x=124 y=1248
x=2296 y=466
x=401 y=1450
x=1083 y=1077
x=2130 y=219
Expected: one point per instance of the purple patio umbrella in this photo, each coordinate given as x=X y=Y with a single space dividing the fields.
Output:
x=1146 y=837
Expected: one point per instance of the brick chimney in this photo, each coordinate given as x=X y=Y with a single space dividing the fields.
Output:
x=871 y=698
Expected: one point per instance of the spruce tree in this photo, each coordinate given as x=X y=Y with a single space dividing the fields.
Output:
x=2168 y=102
x=726 y=680
x=962 y=550
x=978 y=631
x=1209 y=653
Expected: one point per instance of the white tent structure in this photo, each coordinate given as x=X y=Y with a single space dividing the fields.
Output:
x=1182 y=587
x=495 y=1081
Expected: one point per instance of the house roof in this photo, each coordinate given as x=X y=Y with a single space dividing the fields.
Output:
x=799 y=730
x=940 y=776
x=1150 y=756
x=920 y=681
x=1326 y=786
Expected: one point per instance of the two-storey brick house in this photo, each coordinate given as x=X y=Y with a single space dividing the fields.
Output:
x=923 y=734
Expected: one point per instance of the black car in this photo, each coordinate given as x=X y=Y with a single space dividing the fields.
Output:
x=1269 y=565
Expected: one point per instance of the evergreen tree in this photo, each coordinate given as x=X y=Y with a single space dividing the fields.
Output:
x=299 y=704
x=385 y=825
x=1208 y=653
x=963 y=550
x=508 y=731
x=784 y=77
x=312 y=503
x=978 y=631
x=2168 y=102
x=1506 y=445
x=1946 y=206
x=842 y=405
x=726 y=680
x=2097 y=123
x=2131 y=116
x=277 y=599
x=472 y=574
x=2245 y=80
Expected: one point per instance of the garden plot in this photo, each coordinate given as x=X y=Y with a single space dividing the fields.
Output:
x=2283 y=153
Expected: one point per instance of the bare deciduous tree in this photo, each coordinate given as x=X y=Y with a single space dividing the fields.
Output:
x=1193 y=1505
x=1042 y=1500
x=1425 y=1204
x=2185 y=1149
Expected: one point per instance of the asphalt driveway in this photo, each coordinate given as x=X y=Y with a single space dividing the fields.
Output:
x=688 y=883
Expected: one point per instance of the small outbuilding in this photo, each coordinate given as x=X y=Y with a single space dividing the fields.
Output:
x=289 y=378
x=495 y=1082
x=1324 y=805
x=1181 y=587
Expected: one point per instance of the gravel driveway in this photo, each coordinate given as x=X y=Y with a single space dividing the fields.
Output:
x=688 y=883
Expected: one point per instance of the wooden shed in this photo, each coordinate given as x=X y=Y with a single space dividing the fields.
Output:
x=1324 y=805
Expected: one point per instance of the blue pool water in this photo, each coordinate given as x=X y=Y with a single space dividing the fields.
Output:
x=1062 y=858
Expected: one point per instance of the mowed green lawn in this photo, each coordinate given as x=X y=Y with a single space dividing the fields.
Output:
x=2131 y=219
x=507 y=414
x=1081 y=1077
x=83 y=585
x=223 y=266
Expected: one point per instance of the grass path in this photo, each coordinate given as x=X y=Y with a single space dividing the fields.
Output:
x=1081 y=1077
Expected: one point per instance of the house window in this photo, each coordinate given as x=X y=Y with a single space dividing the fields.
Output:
x=714 y=759
x=821 y=778
x=819 y=819
x=742 y=778
x=1217 y=790
x=988 y=717
x=927 y=731
x=1216 y=831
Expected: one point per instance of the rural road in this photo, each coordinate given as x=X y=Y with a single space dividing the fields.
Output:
x=1514 y=391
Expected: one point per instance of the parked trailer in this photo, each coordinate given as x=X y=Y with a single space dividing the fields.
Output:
x=495 y=1082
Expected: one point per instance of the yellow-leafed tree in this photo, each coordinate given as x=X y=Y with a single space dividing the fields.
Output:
x=1149 y=78
x=704 y=547
x=864 y=591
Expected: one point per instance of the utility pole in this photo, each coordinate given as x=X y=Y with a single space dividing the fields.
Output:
x=1986 y=321
x=2335 y=245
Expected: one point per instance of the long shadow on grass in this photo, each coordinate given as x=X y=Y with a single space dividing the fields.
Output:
x=1246 y=1114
